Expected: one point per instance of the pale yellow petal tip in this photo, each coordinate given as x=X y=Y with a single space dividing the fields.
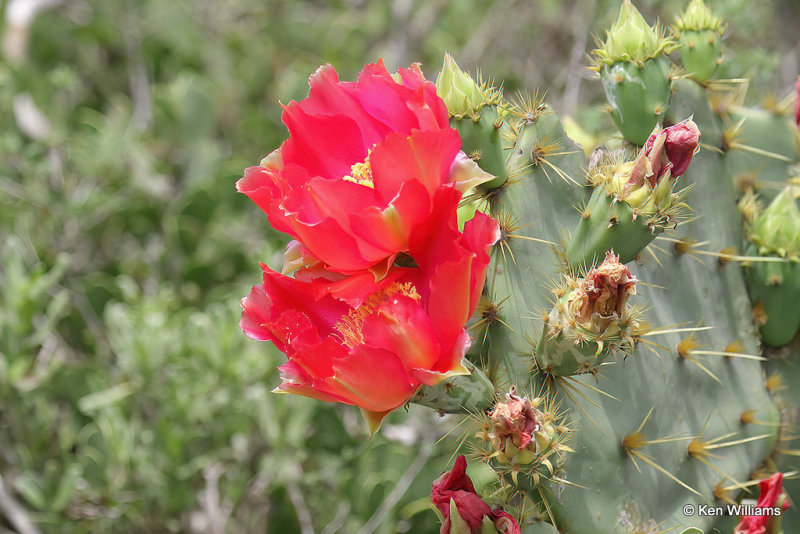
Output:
x=373 y=419
x=273 y=161
x=465 y=173
x=381 y=269
x=458 y=370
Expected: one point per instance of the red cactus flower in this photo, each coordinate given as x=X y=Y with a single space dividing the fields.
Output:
x=772 y=501
x=371 y=343
x=361 y=166
x=456 y=489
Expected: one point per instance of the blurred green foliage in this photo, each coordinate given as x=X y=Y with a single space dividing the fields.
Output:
x=130 y=400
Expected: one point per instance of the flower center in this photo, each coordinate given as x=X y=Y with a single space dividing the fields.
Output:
x=361 y=173
x=351 y=326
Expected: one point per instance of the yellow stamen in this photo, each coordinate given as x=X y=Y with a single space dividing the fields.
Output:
x=351 y=326
x=361 y=173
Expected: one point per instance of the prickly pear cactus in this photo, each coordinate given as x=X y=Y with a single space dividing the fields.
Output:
x=631 y=319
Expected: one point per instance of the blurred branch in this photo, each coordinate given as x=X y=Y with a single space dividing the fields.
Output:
x=299 y=503
x=29 y=118
x=14 y=512
x=338 y=520
x=19 y=16
x=401 y=487
x=575 y=71
x=139 y=82
x=215 y=514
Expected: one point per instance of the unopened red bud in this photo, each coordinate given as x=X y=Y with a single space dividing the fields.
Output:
x=679 y=145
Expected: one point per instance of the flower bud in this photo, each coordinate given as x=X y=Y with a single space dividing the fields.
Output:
x=631 y=38
x=461 y=94
x=680 y=143
x=630 y=35
x=772 y=501
x=699 y=32
x=776 y=231
x=601 y=296
x=665 y=156
x=464 y=512
x=699 y=17
x=774 y=286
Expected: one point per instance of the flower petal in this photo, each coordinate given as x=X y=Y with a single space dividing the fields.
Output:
x=373 y=379
x=424 y=156
x=326 y=145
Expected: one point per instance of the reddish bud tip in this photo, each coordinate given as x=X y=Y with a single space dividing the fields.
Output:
x=671 y=149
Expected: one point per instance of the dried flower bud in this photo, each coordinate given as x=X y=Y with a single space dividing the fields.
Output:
x=522 y=438
x=515 y=419
x=601 y=295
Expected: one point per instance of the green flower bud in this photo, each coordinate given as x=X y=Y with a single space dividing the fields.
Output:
x=632 y=39
x=776 y=231
x=699 y=32
x=698 y=17
x=462 y=95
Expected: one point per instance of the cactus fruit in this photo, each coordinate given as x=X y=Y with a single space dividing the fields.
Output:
x=775 y=285
x=698 y=32
x=474 y=109
x=522 y=439
x=636 y=73
x=590 y=321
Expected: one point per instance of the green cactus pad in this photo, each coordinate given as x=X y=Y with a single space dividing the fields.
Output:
x=686 y=393
x=775 y=291
x=607 y=225
x=459 y=394
x=701 y=53
x=482 y=140
x=638 y=95
x=699 y=33
x=761 y=146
